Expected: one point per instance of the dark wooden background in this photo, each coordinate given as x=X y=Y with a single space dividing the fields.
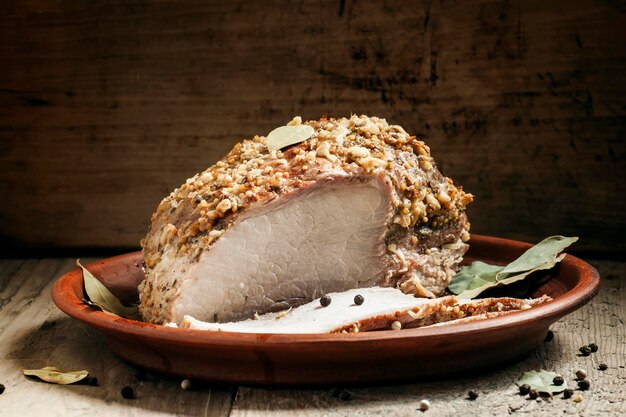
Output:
x=105 y=106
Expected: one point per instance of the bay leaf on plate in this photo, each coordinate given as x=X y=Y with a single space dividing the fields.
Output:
x=545 y=252
x=102 y=297
x=55 y=376
x=477 y=275
x=288 y=135
x=541 y=381
x=472 y=280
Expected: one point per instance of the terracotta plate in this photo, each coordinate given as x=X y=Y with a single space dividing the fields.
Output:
x=332 y=359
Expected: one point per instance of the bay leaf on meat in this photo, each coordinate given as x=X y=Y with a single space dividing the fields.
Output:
x=288 y=135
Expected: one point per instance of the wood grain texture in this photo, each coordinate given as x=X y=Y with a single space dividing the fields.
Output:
x=105 y=107
x=35 y=334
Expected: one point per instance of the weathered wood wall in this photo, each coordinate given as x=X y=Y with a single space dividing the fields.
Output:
x=106 y=106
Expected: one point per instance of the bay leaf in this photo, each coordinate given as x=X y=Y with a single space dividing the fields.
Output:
x=55 y=376
x=541 y=381
x=478 y=277
x=545 y=252
x=288 y=135
x=102 y=297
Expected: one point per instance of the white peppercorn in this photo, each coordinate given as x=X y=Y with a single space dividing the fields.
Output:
x=424 y=405
x=186 y=384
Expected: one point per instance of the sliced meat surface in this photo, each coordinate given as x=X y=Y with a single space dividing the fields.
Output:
x=381 y=308
x=358 y=204
x=285 y=254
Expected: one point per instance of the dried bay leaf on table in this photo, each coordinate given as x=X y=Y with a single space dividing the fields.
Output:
x=102 y=297
x=55 y=376
x=541 y=381
x=472 y=280
x=288 y=135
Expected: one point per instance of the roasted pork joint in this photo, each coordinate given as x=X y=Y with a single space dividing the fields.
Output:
x=360 y=203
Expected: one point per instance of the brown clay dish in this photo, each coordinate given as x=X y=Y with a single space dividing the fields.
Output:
x=332 y=359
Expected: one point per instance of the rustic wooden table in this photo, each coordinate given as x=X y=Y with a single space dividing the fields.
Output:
x=35 y=334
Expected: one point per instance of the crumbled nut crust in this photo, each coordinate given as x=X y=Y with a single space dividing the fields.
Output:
x=446 y=310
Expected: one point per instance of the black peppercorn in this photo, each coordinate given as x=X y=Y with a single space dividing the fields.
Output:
x=603 y=367
x=93 y=381
x=568 y=393
x=585 y=350
x=583 y=385
x=472 y=395
x=593 y=347
x=1 y=388
x=140 y=375
x=549 y=336
x=128 y=393
x=533 y=394
x=325 y=301
x=524 y=389
x=358 y=299
x=558 y=380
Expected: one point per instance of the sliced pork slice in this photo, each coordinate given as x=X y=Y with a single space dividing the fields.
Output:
x=466 y=310
x=360 y=203
x=381 y=308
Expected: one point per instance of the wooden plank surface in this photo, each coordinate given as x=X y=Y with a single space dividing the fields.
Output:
x=106 y=106
x=35 y=334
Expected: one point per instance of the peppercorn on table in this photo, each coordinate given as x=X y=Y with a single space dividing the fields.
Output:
x=36 y=334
